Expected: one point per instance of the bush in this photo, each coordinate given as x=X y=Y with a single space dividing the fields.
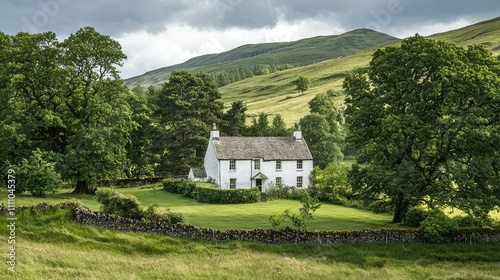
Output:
x=180 y=186
x=437 y=227
x=128 y=206
x=471 y=222
x=152 y=215
x=219 y=196
x=36 y=175
x=414 y=217
x=287 y=192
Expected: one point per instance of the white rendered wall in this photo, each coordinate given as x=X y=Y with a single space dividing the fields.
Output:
x=211 y=163
x=245 y=171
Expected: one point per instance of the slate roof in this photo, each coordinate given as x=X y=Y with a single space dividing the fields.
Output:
x=199 y=172
x=267 y=148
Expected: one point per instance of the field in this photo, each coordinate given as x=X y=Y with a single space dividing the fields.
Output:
x=244 y=216
x=51 y=246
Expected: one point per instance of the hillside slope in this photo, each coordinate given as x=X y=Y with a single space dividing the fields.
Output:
x=275 y=93
x=297 y=53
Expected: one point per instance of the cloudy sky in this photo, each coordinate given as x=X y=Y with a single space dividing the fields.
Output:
x=157 y=33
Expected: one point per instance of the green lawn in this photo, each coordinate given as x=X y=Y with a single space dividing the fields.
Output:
x=51 y=246
x=241 y=216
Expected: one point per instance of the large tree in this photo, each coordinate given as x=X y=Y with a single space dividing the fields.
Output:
x=187 y=105
x=426 y=117
x=66 y=98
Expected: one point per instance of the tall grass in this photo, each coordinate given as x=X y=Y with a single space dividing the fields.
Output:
x=51 y=246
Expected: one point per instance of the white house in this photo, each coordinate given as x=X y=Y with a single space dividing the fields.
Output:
x=245 y=162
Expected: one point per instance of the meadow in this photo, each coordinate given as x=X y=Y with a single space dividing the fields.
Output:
x=52 y=246
x=217 y=216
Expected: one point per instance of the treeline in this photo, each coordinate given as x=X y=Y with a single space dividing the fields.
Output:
x=233 y=75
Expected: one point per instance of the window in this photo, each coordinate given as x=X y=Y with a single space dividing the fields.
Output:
x=232 y=164
x=278 y=164
x=256 y=164
x=278 y=182
x=299 y=182
x=299 y=164
x=232 y=183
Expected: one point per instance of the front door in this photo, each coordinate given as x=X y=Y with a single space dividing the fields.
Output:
x=258 y=183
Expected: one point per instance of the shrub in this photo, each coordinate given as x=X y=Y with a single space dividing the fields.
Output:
x=330 y=184
x=152 y=215
x=437 y=227
x=128 y=206
x=119 y=204
x=219 y=196
x=469 y=221
x=414 y=217
x=36 y=175
x=180 y=186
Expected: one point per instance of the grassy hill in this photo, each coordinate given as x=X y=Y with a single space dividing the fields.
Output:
x=275 y=93
x=297 y=53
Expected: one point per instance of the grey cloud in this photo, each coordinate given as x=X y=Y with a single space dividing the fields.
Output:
x=115 y=17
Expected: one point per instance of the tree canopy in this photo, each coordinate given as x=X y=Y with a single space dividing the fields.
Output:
x=426 y=117
x=66 y=99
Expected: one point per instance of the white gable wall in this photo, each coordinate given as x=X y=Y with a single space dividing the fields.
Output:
x=211 y=163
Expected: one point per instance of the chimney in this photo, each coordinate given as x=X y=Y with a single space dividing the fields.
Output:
x=214 y=133
x=297 y=134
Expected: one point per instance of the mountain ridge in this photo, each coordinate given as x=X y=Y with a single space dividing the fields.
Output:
x=297 y=53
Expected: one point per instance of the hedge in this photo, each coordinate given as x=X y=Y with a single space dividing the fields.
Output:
x=219 y=196
x=211 y=195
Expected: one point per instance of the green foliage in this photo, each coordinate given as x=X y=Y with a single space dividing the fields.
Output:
x=36 y=175
x=210 y=194
x=299 y=220
x=436 y=227
x=66 y=98
x=287 y=192
x=472 y=222
x=321 y=142
x=233 y=75
x=331 y=185
x=128 y=206
x=219 y=196
x=180 y=186
x=425 y=118
x=186 y=107
x=233 y=121
x=414 y=217
x=302 y=84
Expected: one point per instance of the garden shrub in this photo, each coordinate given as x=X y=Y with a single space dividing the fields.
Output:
x=219 y=196
x=180 y=186
x=437 y=227
x=287 y=192
x=414 y=217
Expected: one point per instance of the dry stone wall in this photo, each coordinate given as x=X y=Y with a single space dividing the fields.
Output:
x=87 y=217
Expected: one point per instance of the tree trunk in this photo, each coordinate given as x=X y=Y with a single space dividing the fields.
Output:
x=401 y=208
x=82 y=187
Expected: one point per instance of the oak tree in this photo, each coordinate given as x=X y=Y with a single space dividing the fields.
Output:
x=426 y=116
